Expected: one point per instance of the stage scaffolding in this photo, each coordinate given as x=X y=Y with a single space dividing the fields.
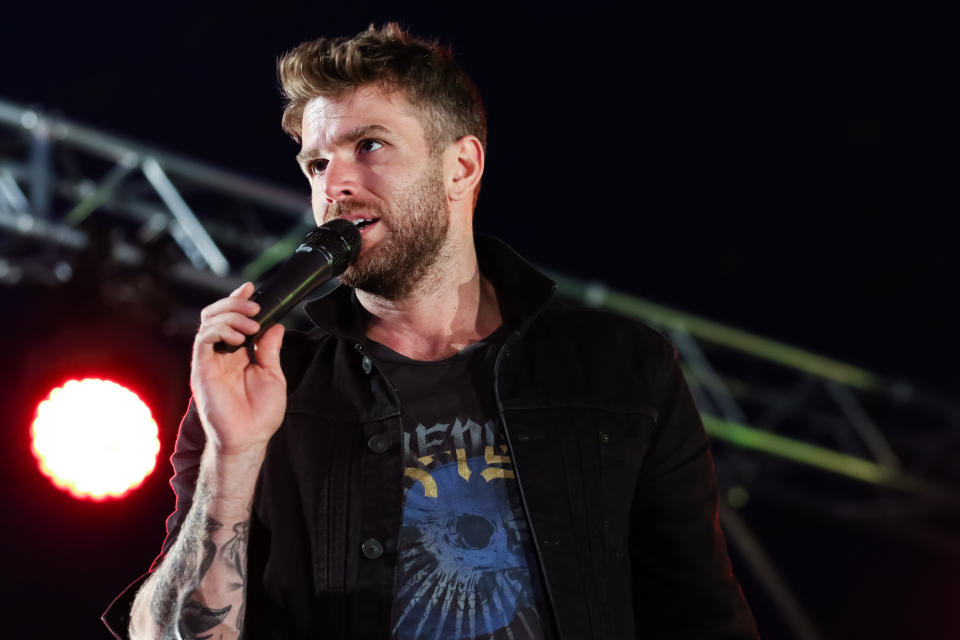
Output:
x=770 y=408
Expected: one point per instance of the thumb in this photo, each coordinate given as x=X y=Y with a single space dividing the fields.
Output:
x=268 y=347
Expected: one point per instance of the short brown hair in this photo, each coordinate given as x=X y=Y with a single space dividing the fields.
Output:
x=424 y=72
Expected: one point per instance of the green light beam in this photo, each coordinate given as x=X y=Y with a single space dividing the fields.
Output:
x=822 y=458
x=758 y=346
x=276 y=253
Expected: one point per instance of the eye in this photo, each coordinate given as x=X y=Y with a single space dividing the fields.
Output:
x=369 y=145
x=315 y=167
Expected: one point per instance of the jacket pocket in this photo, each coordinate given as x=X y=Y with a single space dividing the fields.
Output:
x=623 y=443
x=626 y=438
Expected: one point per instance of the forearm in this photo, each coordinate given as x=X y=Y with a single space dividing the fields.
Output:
x=200 y=587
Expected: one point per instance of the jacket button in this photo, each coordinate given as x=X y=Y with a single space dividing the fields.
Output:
x=604 y=437
x=372 y=548
x=366 y=364
x=378 y=443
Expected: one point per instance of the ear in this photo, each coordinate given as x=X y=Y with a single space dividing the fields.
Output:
x=463 y=167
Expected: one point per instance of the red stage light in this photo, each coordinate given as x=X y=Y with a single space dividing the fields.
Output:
x=95 y=439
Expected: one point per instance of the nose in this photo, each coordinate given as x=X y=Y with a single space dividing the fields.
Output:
x=340 y=180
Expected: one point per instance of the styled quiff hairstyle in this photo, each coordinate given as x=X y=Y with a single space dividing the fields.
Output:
x=426 y=75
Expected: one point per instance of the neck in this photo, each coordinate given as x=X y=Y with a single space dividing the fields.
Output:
x=450 y=309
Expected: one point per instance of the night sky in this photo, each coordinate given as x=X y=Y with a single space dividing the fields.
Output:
x=785 y=171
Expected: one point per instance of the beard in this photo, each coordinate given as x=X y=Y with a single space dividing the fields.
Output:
x=415 y=233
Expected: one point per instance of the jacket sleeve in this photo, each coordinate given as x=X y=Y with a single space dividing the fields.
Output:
x=186 y=468
x=683 y=584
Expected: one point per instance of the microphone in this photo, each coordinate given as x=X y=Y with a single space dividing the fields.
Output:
x=325 y=253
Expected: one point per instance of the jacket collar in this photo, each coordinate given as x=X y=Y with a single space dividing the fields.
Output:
x=522 y=292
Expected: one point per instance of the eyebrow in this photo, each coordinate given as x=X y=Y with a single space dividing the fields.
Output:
x=357 y=133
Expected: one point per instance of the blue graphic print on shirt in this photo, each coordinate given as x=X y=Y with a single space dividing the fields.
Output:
x=465 y=564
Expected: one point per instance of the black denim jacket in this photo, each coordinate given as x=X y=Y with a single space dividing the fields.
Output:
x=611 y=458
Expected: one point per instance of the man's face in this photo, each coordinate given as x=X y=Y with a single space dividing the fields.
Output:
x=367 y=158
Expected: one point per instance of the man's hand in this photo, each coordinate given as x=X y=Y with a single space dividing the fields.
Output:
x=241 y=403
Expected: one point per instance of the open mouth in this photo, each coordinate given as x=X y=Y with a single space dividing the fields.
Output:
x=362 y=223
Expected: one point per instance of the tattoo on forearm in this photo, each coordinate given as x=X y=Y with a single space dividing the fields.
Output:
x=235 y=550
x=172 y=606
x=209 y=546
x=235 y=554
x=242 y=611
x=196 y=618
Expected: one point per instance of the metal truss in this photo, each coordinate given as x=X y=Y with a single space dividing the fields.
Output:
x=61 y=183
x=770 y=409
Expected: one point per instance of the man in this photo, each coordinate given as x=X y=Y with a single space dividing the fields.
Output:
x=449 y=454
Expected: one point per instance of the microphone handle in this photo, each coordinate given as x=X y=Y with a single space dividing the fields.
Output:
x=302 y=273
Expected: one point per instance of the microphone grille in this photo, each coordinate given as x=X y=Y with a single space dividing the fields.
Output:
x=340 y=238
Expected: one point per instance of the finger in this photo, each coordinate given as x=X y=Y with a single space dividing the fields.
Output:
x=215 y=334
x=211 y=329
x=234 y=320
x=268 y=347
x=243 y=291
x=224 y=305
x=228 y=324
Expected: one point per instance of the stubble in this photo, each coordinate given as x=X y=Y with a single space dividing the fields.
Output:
x=416 y=231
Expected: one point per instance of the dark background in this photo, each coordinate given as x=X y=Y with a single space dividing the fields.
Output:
x=785 y=171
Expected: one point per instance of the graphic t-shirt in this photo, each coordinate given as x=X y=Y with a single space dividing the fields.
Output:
x=466 y=567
